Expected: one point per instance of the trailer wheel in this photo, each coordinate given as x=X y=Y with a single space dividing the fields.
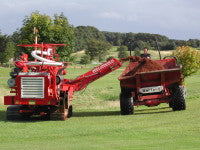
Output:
x=12 y=113
x=178 y=98
x=126 y=104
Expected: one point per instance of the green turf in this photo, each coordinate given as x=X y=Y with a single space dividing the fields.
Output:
x=97 y=123
x=114 y=53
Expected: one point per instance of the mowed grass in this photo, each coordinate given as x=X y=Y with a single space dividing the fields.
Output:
x=114 y=53
x=97 y=123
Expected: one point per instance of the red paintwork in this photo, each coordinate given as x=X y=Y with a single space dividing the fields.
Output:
x=170 y=75
x=83 y=80
x=52 y=90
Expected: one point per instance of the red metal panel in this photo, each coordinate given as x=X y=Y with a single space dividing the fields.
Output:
x=152 y=96
x=83 y=80
x=154 y=102
x=8 y=100
x=50 y=97
x=153 y=78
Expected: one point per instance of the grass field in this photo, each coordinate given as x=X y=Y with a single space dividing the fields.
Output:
x=97 y=123
x=114 y=53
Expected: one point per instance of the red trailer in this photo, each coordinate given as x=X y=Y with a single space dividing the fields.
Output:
x=152 y=87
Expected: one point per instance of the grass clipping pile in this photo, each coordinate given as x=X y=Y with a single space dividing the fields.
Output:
x=138 y=65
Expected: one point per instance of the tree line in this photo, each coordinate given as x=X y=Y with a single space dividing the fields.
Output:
x=96 y=43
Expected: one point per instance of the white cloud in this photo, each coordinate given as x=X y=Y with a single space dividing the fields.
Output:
x=111 y=15
x=117 y=16
x=172 y=17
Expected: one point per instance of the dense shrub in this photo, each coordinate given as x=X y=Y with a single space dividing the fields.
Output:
x=85 y=59
x=122 y=51
x=189 y=58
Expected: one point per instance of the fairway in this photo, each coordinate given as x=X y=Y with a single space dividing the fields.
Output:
x=99 y=75
x=97 y=123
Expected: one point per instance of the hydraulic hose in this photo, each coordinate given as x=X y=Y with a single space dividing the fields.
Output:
x=44 y=61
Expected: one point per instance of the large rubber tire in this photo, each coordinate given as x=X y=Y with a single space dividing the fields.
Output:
x=126 y=104
x=70 y=111
x=178 y=98
x=12 y=113
x=171 y=104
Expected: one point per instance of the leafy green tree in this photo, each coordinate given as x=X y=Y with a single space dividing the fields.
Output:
x=56 y=30
x=168 y=46
x=85 y=33
x=114 y=38
x=180 y=42
x=133 y=41
x=149 y=39
x=7 y=49
x=85 y=59
x=3 y=41
x=137 y=51
x=62 y=32
x=16 y=38
x=140 y=45
x=193 y=43
x=122 y=51
x=41 y=22
x=97 y=49
x=128 y=40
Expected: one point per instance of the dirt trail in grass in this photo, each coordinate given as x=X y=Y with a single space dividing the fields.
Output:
x=3 y=92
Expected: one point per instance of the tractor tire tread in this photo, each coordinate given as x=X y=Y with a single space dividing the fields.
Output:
x=126 y=104
x=178 y=98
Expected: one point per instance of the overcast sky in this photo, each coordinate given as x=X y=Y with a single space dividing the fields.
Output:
x=177 y=19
